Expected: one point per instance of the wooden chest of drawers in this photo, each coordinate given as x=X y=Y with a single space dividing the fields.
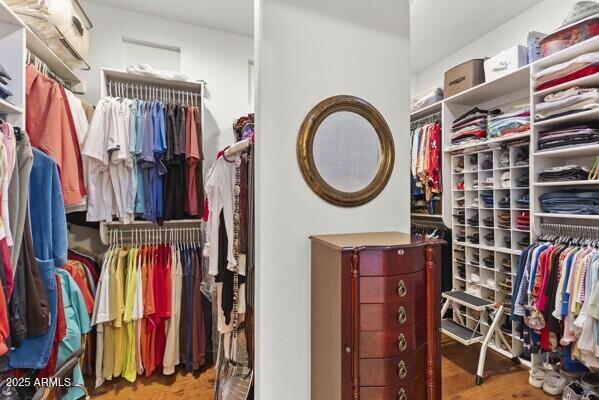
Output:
x=375 y=317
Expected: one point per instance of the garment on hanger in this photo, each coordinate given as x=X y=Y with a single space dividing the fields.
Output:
x=52 y=130
x=426 y=166
x=143 y=161
x=554 y=298
x=148 y=311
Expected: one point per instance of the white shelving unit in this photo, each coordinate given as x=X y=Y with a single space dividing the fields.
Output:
x=36 y=46
x=584 y=155
x=12 y=43
x=494 y=257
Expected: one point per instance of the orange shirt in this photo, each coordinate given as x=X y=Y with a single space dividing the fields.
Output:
x=50 y=128
x=76 y=270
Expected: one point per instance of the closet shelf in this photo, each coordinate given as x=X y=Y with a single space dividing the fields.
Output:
x=490 y=143
x=576 y=151
x=566 y=183
x=569 y=120
x=45 y=54
x=9 y=108
x=586 y=81
x=428 y=110
x=118 y=75
x=507 y=84
x=8 y=16
x=571 y=52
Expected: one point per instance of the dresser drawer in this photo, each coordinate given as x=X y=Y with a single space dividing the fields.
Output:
x=386 y=289
x=409 y=390
x=391 y=343
x=391 y=262
x=389 y=371
x=379 y=317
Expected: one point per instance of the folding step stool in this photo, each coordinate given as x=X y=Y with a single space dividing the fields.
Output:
x=458 y=330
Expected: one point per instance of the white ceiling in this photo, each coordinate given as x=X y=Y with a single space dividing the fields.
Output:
x=236 y=16
x=440 y=27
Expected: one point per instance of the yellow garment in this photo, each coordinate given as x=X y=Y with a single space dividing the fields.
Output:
x=108 y=354
x=119 y=332
x=129 y=362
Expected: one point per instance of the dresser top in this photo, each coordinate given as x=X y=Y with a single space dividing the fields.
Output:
x=348 y=241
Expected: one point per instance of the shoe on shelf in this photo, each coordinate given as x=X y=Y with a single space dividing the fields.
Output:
x=590 y=396
x=537 y=377
x=589 y=380
x=574 y=391
x=554 y=383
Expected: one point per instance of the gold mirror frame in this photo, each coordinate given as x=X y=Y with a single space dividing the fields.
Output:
x=305 y=155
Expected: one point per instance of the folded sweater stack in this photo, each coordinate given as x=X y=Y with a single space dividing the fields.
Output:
x=471 y=126
x=509 y=124
x=565 y=102
x=571 y=136
x=581 y=66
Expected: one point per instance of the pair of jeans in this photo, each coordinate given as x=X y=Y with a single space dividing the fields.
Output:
x=567 y=173
x=582 y=202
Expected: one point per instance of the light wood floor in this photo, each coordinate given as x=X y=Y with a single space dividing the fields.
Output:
x=503 y=380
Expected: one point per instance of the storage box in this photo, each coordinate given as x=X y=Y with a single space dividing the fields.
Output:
x=505 y=62
x=464 y=76
x=534 y=45
x=570 y=35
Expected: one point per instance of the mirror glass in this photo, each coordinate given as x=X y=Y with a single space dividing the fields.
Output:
x=347 y=151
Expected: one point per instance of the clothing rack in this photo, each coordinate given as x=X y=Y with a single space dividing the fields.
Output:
x=42 y=67
x=429 y=119
x=137 y=229
x=574 y=231
x=237 y=148
x=144 y=91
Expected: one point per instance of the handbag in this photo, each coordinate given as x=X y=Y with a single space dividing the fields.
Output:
x=234 y=377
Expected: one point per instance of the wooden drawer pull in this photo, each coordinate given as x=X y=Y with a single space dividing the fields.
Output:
x=401 y=395
x=401 y=288
x=401 y=315
x=401 y=342
x=402 y=371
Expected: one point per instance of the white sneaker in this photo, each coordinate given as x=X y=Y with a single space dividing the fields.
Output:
x=537 y=376
x=574 y=391
x=554 y=383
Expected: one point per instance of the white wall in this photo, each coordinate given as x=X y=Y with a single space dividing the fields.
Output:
x=308 y=51
x=220 y=58
x=544 y=17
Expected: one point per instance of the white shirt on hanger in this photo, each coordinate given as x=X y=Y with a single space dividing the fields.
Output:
x=220 y=190
x=94 y=152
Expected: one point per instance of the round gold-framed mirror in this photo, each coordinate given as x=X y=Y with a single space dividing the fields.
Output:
x=345 y=151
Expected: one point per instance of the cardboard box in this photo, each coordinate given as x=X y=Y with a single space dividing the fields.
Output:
x=464 y=76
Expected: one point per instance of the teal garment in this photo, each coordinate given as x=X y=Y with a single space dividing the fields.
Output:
x=77 y=319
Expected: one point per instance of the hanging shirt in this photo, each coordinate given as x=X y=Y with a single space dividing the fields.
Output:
x=220 y=190
x=192 y=156
x=95 y=152
x=77 y=324
x=51 y=131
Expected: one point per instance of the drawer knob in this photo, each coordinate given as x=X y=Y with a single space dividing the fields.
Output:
x=401 y=315
x=401 y=342
x=402 y=371
x=401 y=395
x=401 y=288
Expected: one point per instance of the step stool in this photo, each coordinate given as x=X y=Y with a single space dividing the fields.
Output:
x=458 y=330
